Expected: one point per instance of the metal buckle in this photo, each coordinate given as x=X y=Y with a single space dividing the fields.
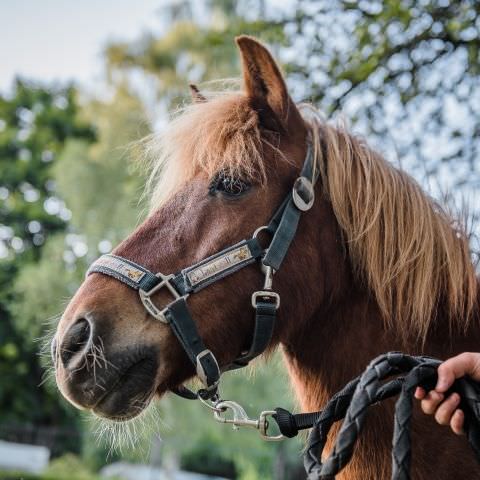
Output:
x=241 y=419
x=267 y=292
x=201 y=372
x=303 y=186
x=272 y=296
x=151 y=308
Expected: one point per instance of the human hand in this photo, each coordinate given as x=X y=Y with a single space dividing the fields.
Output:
x=446 y=410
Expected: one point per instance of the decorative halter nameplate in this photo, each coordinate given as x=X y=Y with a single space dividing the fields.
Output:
x=124 y=270
x=121 y=266
x=220 y=265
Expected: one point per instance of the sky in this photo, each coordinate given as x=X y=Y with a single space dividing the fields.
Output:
x=60 y=40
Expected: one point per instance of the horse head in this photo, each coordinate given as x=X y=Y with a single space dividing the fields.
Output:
x=229 y=163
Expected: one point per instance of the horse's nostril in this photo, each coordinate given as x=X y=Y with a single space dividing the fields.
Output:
x=75 y=341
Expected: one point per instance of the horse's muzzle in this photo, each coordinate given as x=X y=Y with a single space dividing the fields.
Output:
x=115 y=384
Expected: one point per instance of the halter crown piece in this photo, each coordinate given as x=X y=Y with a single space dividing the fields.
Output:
x=281 y=228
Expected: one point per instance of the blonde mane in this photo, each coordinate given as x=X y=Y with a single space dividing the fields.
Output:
x=403 y=246
x=204 y=138
x=411 y=253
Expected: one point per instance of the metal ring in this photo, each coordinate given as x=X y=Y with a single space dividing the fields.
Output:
x=258 y=230
x=211 y=406
x=261 y=229
x=263 y=427
x=301 y=188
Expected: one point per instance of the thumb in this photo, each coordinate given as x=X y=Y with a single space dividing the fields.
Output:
x=457 y=367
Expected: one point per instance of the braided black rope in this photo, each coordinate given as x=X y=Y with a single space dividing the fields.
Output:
x=352 y=402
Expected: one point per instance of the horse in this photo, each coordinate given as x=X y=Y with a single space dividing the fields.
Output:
x=375 y=265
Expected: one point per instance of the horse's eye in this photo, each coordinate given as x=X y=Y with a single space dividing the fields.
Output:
x=228 y=185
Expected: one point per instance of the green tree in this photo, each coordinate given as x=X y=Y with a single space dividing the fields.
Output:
x=97 y=183
x=35 y=123
x=406 y=73
x=190 y=50
x=100 y=186
x=34 y=126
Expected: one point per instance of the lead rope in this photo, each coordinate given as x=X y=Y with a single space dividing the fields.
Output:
x=353 y=401
x=351 y=404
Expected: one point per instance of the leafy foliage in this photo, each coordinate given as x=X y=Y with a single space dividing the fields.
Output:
x=35 y=123
x=190 y=51
x=414 y=64
x=405 y=73
x=34 y=126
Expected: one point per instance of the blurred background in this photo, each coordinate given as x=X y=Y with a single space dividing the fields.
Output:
x=81 y=81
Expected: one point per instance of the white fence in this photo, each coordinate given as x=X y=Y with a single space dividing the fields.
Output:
x=129 y=471
x=25 y=458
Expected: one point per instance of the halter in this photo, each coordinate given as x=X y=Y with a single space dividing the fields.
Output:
x=281 y=228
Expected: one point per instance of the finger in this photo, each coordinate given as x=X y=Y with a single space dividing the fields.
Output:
x=456 y=367
x=456 y=423
x=430 y=403
x=445 y=411
x=420 y=393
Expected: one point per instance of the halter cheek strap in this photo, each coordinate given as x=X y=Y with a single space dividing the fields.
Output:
x=282 y=228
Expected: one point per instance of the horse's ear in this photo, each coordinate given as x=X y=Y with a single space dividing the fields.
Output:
x=197 y=97
x=264 y=83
